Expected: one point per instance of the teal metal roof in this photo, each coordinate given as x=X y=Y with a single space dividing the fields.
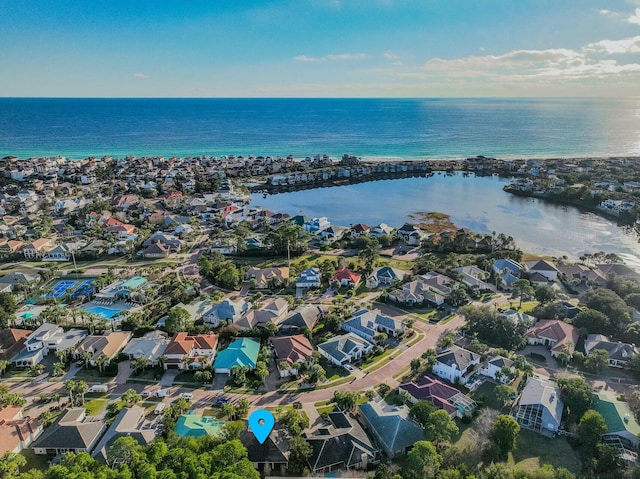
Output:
x=241 y=352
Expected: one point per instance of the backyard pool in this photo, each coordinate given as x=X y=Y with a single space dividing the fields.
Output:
x=108 y=313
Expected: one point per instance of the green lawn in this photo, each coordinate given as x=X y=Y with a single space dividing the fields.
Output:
x=35 y=461
x=90 y=375
x=534 y=450
x=486 y=394
x=94 y=406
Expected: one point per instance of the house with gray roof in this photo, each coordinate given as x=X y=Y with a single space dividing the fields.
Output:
x=304 y=316
x=341 y=444
x=539 y=406
x=19 y=278
x=71 y=432
x=47 y=338
x=385 y=276
x=499 y=369
x=270 y=455
x=368 y=324
x=508 y=270
x=151 y=346
x=309 y=278
x=227 y=310
x=456 y=364
x=341 y=350
x=619 y=353
x=390 y=426
x=129 y=422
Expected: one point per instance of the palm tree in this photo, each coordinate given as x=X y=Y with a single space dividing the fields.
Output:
x=70 y=385
x=161 y=360
x=86 y=356
x=101 y=361
x=3 y=366
x=81 y=388
x=262 y=371
x=56 y=396
x=58 y=369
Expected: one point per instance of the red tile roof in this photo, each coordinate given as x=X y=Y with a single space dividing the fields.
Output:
x=346 y=273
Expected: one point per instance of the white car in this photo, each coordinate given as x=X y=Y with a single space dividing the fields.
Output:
x=186 y=395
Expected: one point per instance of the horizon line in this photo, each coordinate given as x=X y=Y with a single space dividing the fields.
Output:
x=550 y=97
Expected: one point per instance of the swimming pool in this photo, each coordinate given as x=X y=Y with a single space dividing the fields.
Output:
x=108 y=313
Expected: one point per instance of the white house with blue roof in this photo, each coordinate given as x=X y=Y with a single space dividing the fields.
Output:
x=508 y=270
x=368 y=324
x=385 y=275
x=341 y=350
x=309 y=278
x=227 y=310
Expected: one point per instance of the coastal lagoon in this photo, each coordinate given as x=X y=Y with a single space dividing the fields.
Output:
x=478 y=203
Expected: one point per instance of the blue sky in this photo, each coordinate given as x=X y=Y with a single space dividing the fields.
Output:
x=319 y=48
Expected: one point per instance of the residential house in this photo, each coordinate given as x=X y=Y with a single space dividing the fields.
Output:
x=345 y=277
x=615 y=269
x=431 y=287
x=241 y=352
x=227 y=310
x=151 y=347
x=456 y=365
x=170 y=242
x=11 y=342
x=155 y=250
x=411 y=234
x=622 y=428
x=270 y=312
x=304 y=317
x=130 y=422
x=557 y=336
x=309 y=278
x=385 y=275
x=268 y=277
x=331 y=233
x=518 y=317
x=358 y=230
x=17 y=432
x=368 y=324
x=619 y=353
x=71 y=432
x=58 y=253
x=390 y=426
x=499 y=369
x=439 y=394
x=37 y=248
x=539 y=406
x=47 y=338
x=342 y=444
x=541 y=267
x=123 y=230
x=107 y=345
x=473 y=277
x=190 y=352
x=270 y=455
x=341 y=350
x=508 y=270
x=291 y=350
x=581 y=274
x=380 y=230
x=316 y=224
x=22 y=279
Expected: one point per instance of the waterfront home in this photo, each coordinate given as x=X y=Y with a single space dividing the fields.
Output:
x=316 y=224
x=190 y=352
x=368 y=324
x=581 y=274
x=473 y=277
x=341 y=444
x=557 y=336
x=71 y=432
x=543 y=268
x=539 y=407
x=105 y=346
x=305 y=316
x=619 y=353
x=411 y=234
x=270 y=455
x=47 y=338
x=618 y=270
x=17 y=432
x=331 y=233
x=241 y=352
x=289 y=351
x=264 y=278
x=227 y=310
x=508 y=270
x=439 y=394
x=390 y=426
x=456 y=365
x=341 y=350
x=622 y=428
x=345 y=277
x=499 y=369
x=380 y=230
x=385 y=275
x=37 y=248
x=130 y=422
x=151 y=347
x=309 y=278
x=358 y=230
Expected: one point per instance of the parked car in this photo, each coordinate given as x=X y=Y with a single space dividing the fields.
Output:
x=159 y=408
x=98 y=388
x=186 y=395
x=220 y=401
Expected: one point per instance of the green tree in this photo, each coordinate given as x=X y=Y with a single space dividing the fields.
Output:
x=545 y=294
x=593 y=321
x=139 y=364
x=131 y=397
x=597 y=361
x=505 y=393
x=10 y=464
x=612 y=305
x=504 y=434
x=262 y=371
x=4 y=364
x=577 y=396
x=243 y=408
x=345 y=400
x=440 y=428
x=58 y=369
x=590 y=430
x=522 y=289
x=299 y=453
x=423 y=461
x=123 y=451
x=177 y=320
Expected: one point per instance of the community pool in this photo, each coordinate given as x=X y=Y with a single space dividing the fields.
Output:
x=108 y=313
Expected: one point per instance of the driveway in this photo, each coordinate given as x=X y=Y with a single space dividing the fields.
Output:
x=124 y=372
x=168 y=377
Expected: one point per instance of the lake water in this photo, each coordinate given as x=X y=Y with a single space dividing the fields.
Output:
x=478 y=203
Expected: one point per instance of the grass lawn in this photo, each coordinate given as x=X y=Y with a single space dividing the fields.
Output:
x=486 y=394
x=34 y=461
x=149 y=373
x=91 y=375
x=94 y=406
x=533 y=451
x=394 y=399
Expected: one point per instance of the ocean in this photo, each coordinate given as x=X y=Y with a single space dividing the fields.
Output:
x=369 y=128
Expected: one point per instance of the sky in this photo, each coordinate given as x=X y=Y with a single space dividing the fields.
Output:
x=319 y=48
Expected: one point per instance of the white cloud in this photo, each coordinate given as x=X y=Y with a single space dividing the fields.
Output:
x=635 y=18
x=140 y=75
x=626 y=45
x=333 y=57
x=390 y=56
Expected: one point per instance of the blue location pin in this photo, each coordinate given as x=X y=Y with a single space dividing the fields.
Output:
x=261 y=423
